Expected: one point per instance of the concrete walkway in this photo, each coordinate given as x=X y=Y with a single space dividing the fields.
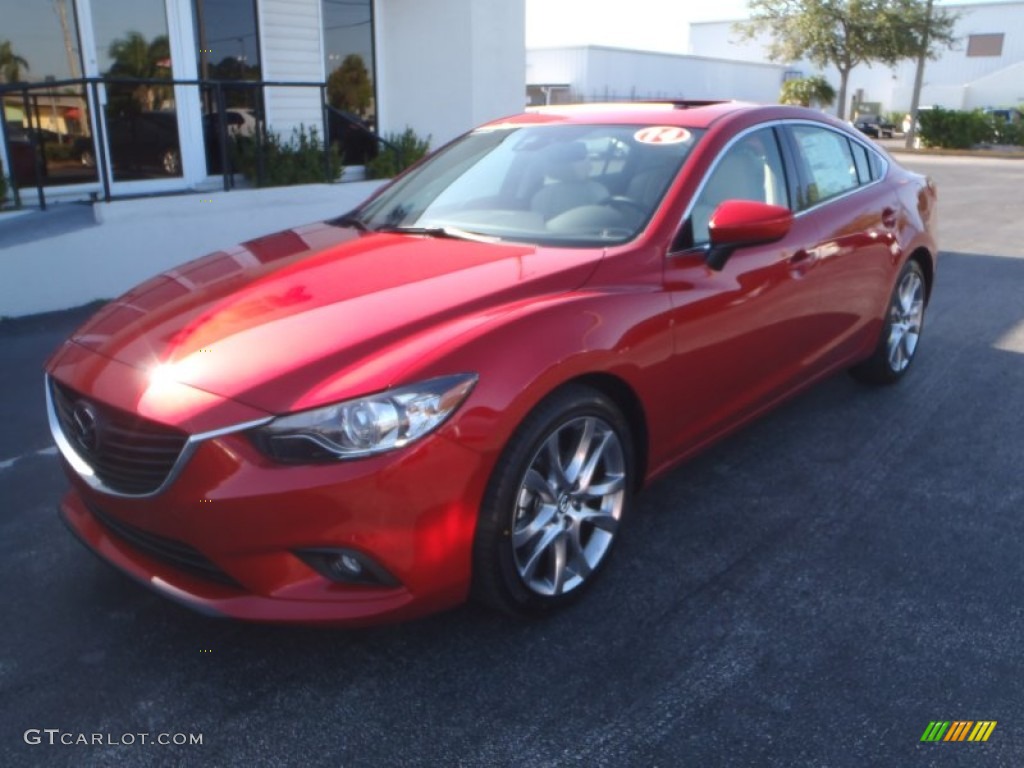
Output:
x=75 y=253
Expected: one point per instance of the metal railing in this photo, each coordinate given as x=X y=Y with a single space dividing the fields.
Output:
x=26 y=96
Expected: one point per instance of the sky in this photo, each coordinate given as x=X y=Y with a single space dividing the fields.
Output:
x=651 y=25
x=654 y=25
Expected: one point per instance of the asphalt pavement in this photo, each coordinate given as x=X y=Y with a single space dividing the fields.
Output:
x=814 y=591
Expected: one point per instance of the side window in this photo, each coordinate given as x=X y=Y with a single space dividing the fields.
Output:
x=750 y=169
x=828 y=162
x=860 y=159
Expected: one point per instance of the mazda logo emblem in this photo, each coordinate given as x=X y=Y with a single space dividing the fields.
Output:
x=85 y=424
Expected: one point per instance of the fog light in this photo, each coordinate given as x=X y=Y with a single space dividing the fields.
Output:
x=347 y=566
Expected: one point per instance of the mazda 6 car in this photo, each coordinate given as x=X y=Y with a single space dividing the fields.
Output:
x=458 y=388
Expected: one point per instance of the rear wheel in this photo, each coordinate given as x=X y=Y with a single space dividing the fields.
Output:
x=554 y=505
x=897 y=345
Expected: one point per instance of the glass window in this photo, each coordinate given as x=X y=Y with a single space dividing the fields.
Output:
x=536 y=184
x=349 y=68
x=985 y=45
x=229 y=50
x=132 y=42
x=828 y=163
x=860 y=159
x=750 y=169
x=877 y=165
x=39 y=45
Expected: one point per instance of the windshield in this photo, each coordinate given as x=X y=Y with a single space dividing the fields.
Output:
x=575 y=185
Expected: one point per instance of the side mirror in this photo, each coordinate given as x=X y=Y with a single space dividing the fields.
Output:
x=738 y=223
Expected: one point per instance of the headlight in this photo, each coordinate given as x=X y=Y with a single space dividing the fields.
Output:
x=365 y=426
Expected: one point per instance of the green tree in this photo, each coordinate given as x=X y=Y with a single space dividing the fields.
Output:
x=926 y=32
x=11 y=63
x=846 y=33
x=349 y=87
x=807 y=91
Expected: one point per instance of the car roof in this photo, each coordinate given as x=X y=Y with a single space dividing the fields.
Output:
x=689 y=114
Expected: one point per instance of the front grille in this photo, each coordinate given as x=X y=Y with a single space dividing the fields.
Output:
x=173 y=553
x=128 y=453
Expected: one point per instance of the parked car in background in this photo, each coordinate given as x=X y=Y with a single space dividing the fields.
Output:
x=875 y=126
x=23 y=161
x=145 y=142
x=458 y=388
x=22 y=152
x=1006 y=114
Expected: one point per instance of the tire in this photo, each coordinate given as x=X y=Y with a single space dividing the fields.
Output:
x=904 y=321
x=552 y=511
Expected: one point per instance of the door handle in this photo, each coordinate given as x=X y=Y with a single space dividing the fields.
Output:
x=889 y=218
x=802 y=261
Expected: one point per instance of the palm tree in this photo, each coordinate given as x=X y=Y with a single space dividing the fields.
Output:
x=135 y=57
x=11 y=63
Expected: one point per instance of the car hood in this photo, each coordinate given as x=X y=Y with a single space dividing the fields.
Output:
x=315 y=314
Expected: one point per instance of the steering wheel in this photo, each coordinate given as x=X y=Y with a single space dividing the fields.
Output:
x=628 y=203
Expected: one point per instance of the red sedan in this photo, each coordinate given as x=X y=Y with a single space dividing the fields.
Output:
x=458 y=388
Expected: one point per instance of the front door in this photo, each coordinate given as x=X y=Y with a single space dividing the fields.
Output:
x=149 y=141
x=743 y=335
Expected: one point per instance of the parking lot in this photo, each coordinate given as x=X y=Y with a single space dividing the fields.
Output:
x=813 y=591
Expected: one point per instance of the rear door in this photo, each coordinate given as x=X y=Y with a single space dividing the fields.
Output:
x=840 y=185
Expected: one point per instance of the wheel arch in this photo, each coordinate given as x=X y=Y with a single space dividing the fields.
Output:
x=926 y=261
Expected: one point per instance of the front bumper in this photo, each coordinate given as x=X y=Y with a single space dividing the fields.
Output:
x=223 y=538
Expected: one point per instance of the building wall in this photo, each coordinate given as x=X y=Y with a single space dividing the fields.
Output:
x=292 y=52
x=599 y=73
x=444 y=66
x=132 y=240
x=955 y=80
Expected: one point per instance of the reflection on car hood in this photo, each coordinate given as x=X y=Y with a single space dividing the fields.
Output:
x=267 y=322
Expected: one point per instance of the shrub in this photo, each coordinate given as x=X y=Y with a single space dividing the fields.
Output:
x=300 y=160
x=949 y=129
x=1004 y=132
x=58 y=152
x=399 y=153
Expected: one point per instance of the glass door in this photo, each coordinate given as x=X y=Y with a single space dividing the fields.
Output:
x=147 y=137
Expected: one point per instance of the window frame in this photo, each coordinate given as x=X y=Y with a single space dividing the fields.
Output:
x=793 y=169
x=803 y=173
x=685 y=226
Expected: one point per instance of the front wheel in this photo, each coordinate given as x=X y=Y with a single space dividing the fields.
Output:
x=897 y=345
x=554 y=505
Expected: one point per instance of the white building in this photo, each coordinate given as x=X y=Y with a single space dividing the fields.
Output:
x=985 y=69
x=437 y=66
x=601 y=73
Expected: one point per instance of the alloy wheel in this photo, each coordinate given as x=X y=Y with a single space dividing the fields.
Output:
x=906 y=316
x=568 y=506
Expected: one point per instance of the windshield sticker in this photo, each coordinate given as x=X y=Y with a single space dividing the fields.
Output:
x=662 y=134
